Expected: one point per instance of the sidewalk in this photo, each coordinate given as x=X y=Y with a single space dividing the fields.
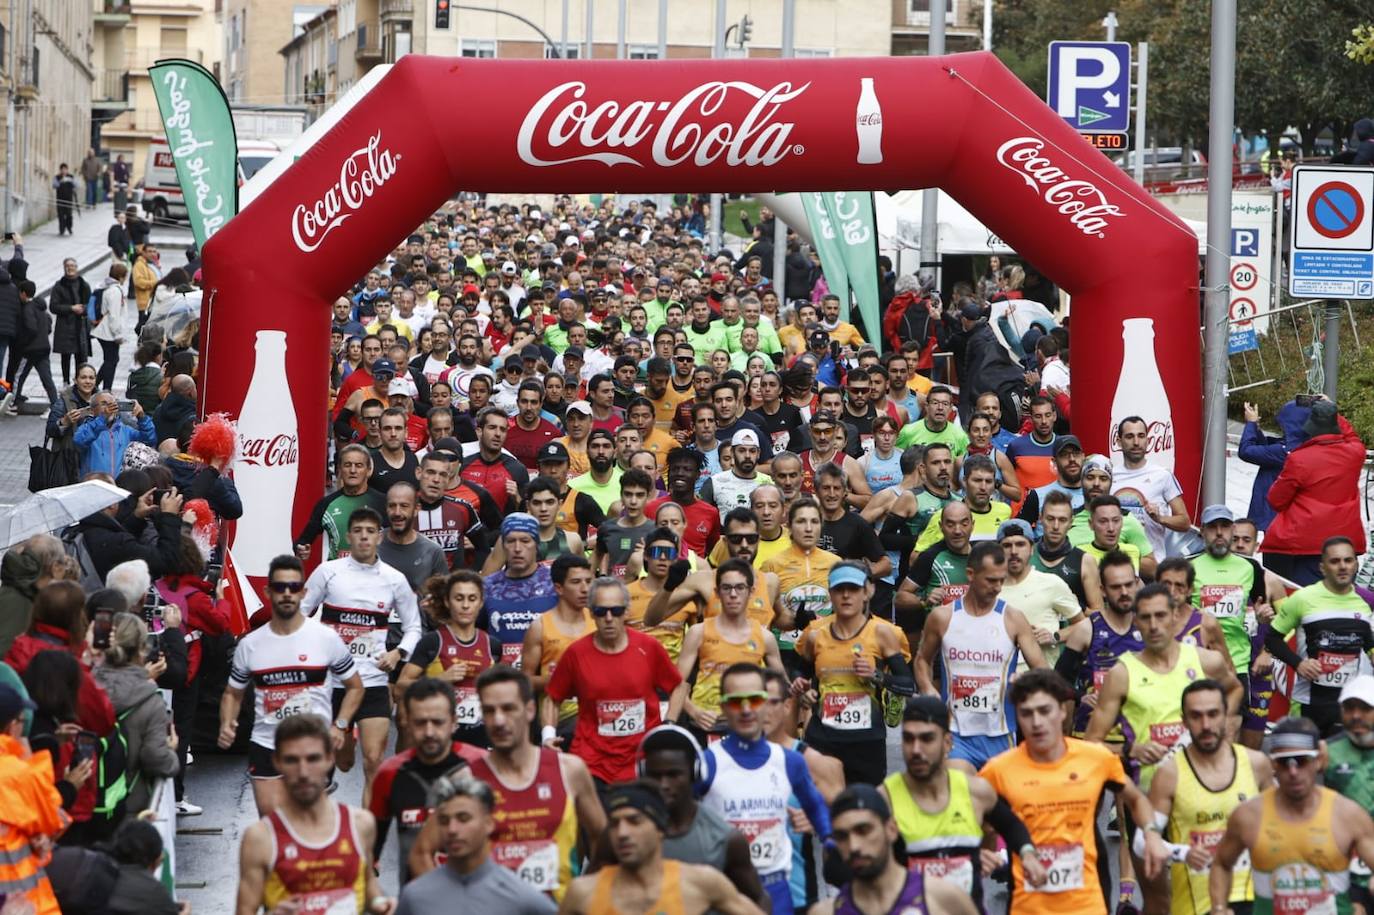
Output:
x=45 y=251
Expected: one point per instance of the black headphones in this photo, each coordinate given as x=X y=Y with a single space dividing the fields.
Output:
x=698 y=760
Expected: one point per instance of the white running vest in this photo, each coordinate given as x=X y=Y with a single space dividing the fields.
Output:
x=754 y=801
x=978 y=659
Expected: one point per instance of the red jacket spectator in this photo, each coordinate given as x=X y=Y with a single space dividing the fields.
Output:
x=93 y=709
x=202 y=613
x=1317 y=494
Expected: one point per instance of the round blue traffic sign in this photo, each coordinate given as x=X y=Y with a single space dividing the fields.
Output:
x=1335 y=209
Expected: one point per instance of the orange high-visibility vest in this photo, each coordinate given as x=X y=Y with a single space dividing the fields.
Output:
x=29 y=807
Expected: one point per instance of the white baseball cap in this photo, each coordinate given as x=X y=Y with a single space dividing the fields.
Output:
x=508 y=267
x=581 y=406
x=570 y=241
x=1361 y=689
x=401 y=385
x=745 y=437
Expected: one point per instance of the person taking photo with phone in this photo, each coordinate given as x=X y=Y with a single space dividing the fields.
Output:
x=101 y=438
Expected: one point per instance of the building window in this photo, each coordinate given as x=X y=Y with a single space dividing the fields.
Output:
x=642 y=52
x=813 y=52
x=551 y=52
x=476 y=47
x=920 y=11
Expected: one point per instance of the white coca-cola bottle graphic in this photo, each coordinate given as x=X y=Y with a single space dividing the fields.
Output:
x=1140 y=392
x=268 y=463
x=868 y=122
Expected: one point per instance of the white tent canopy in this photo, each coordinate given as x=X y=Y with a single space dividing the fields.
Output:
x=899 y=226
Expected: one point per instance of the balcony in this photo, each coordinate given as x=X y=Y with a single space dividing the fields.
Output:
x=369 y=47
x=110 y=89
x=398 y=9
x=140 y=59
x=113 y=14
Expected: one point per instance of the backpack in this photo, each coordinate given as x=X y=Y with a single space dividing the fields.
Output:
x=83 y=879
x=74 y=543
x=113 y=781
x=94 y=310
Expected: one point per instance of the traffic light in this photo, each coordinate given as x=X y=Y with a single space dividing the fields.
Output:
x=441 y=14
x=746 y=30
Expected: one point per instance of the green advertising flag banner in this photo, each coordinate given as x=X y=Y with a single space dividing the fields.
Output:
x=825 y=235
x=851 y=215
x=200 y=134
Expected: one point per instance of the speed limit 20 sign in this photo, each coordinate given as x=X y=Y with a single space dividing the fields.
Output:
x=1252 y=237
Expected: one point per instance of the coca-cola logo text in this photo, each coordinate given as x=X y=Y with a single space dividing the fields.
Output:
x=1082 y=201
x=871 y=119
x=1159 y=438
x=277 y=451
x=365 y=170
x=682 y=130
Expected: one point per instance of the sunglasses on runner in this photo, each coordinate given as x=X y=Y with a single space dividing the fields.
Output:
x=1293 y=762
x=661 y=552
x=282 y=587
x=616 y=610
x=742 y=538
x=738 y=701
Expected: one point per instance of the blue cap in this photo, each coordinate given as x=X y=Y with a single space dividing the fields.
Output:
x=520 y=523
x=383 y=366
x=847 y=575
x=1015 y=527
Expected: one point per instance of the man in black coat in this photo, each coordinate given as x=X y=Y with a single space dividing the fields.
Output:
x=10 y=306
x=67 y=302
x=176 y=409
x=986 y=366
x=110 y=543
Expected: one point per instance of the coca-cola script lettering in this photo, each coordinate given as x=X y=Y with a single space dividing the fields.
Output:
x=1082 y=201
x=685 y=132
x=276 y=451
x=1159 y=438
x=365 y=170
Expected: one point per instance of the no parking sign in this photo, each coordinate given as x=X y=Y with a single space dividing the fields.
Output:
x=1333 y=233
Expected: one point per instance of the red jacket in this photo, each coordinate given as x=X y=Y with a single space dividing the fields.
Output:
x=1317 y=494
x=202 y=613
x=93 y=709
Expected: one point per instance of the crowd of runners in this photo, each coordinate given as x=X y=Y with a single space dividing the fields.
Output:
x=637 y=560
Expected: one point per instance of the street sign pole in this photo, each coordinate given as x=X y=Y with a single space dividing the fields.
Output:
x=930 y=197
x=789 y=9
x=1142 y=82
x=1215 y=313
x=1331 y=352
x=718 y=200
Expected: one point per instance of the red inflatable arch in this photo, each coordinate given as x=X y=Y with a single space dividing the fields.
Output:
x=434 y=125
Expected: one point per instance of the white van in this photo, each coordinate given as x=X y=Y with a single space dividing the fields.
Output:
x=161 y=192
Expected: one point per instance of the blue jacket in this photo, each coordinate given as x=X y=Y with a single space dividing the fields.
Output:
x=102 y=444
x=1269 y=453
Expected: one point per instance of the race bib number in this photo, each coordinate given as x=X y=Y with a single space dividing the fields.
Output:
x=1225 y=601
x=866 y=442
x=620 y=717
x=469 y=709
x=1166 y=733
x=1100 y=677
x=958 y=870
x=1300 y=889
x=282 y=702
x=781 y=440
x=327 y=902
x=510 y=654
x=769 y=847
x=358 y=639
x=1063 y=868
x=955 y=592
x=535 y=863
x=847 y=711
x=977 y=694
x=1337 y=669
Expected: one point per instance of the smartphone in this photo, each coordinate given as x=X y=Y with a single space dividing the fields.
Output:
x=1305 y=400
x=153 y=650
x=100 y=629
x=86 y=745
x=9 y=236
x=126 y=406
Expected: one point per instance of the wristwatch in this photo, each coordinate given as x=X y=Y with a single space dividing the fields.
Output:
x=341 y=724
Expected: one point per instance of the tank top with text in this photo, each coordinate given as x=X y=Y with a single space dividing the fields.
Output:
x=1152 y=711
x=478 y=656
x=536 y=826
x=943 y=844
x=1297 y=866
x=553 y=642
x=716 y=654
x=325 y=879
x=1198 y=818
x=849 y=709
x=979 y=659
x=668 y=633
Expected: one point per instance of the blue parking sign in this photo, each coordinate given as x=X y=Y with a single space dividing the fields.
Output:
x=1090 y=84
